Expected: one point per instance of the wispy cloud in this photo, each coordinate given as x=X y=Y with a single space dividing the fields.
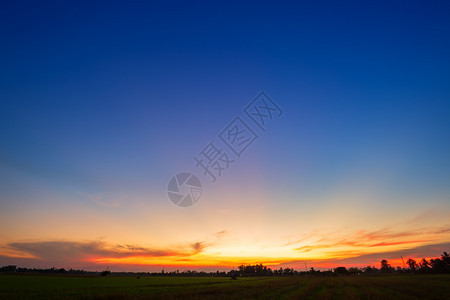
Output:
x=198 y=247
x=362 y=241
x=355 y=258
x=220 y=233
x=105 y=199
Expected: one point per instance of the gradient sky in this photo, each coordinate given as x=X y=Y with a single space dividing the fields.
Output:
x=101 y=104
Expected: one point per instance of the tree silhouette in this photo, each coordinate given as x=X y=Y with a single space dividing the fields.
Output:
x=412 y=264
x=386 y=267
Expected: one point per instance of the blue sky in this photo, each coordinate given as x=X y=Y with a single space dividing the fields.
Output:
x=114 y=99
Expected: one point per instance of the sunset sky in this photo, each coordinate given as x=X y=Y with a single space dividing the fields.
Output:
x=102 y=104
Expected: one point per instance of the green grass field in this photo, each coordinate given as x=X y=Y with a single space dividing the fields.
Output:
x=335 y=287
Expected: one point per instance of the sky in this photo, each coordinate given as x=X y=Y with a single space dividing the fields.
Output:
x=102 y=104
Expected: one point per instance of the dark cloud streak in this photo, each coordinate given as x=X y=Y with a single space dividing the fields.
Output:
x=70 y=252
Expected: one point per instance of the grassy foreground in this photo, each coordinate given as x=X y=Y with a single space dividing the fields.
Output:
x=335 y=287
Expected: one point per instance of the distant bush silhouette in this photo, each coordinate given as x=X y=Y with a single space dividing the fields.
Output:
x=9 y=268
x=341 y=271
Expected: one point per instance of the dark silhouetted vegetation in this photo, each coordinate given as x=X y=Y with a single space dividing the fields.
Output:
x=437 y=265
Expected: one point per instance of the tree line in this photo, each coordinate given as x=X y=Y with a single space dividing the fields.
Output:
x=437 y=265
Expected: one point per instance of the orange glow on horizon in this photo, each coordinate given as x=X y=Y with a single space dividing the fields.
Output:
x=186 y=262
x=233 y=262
